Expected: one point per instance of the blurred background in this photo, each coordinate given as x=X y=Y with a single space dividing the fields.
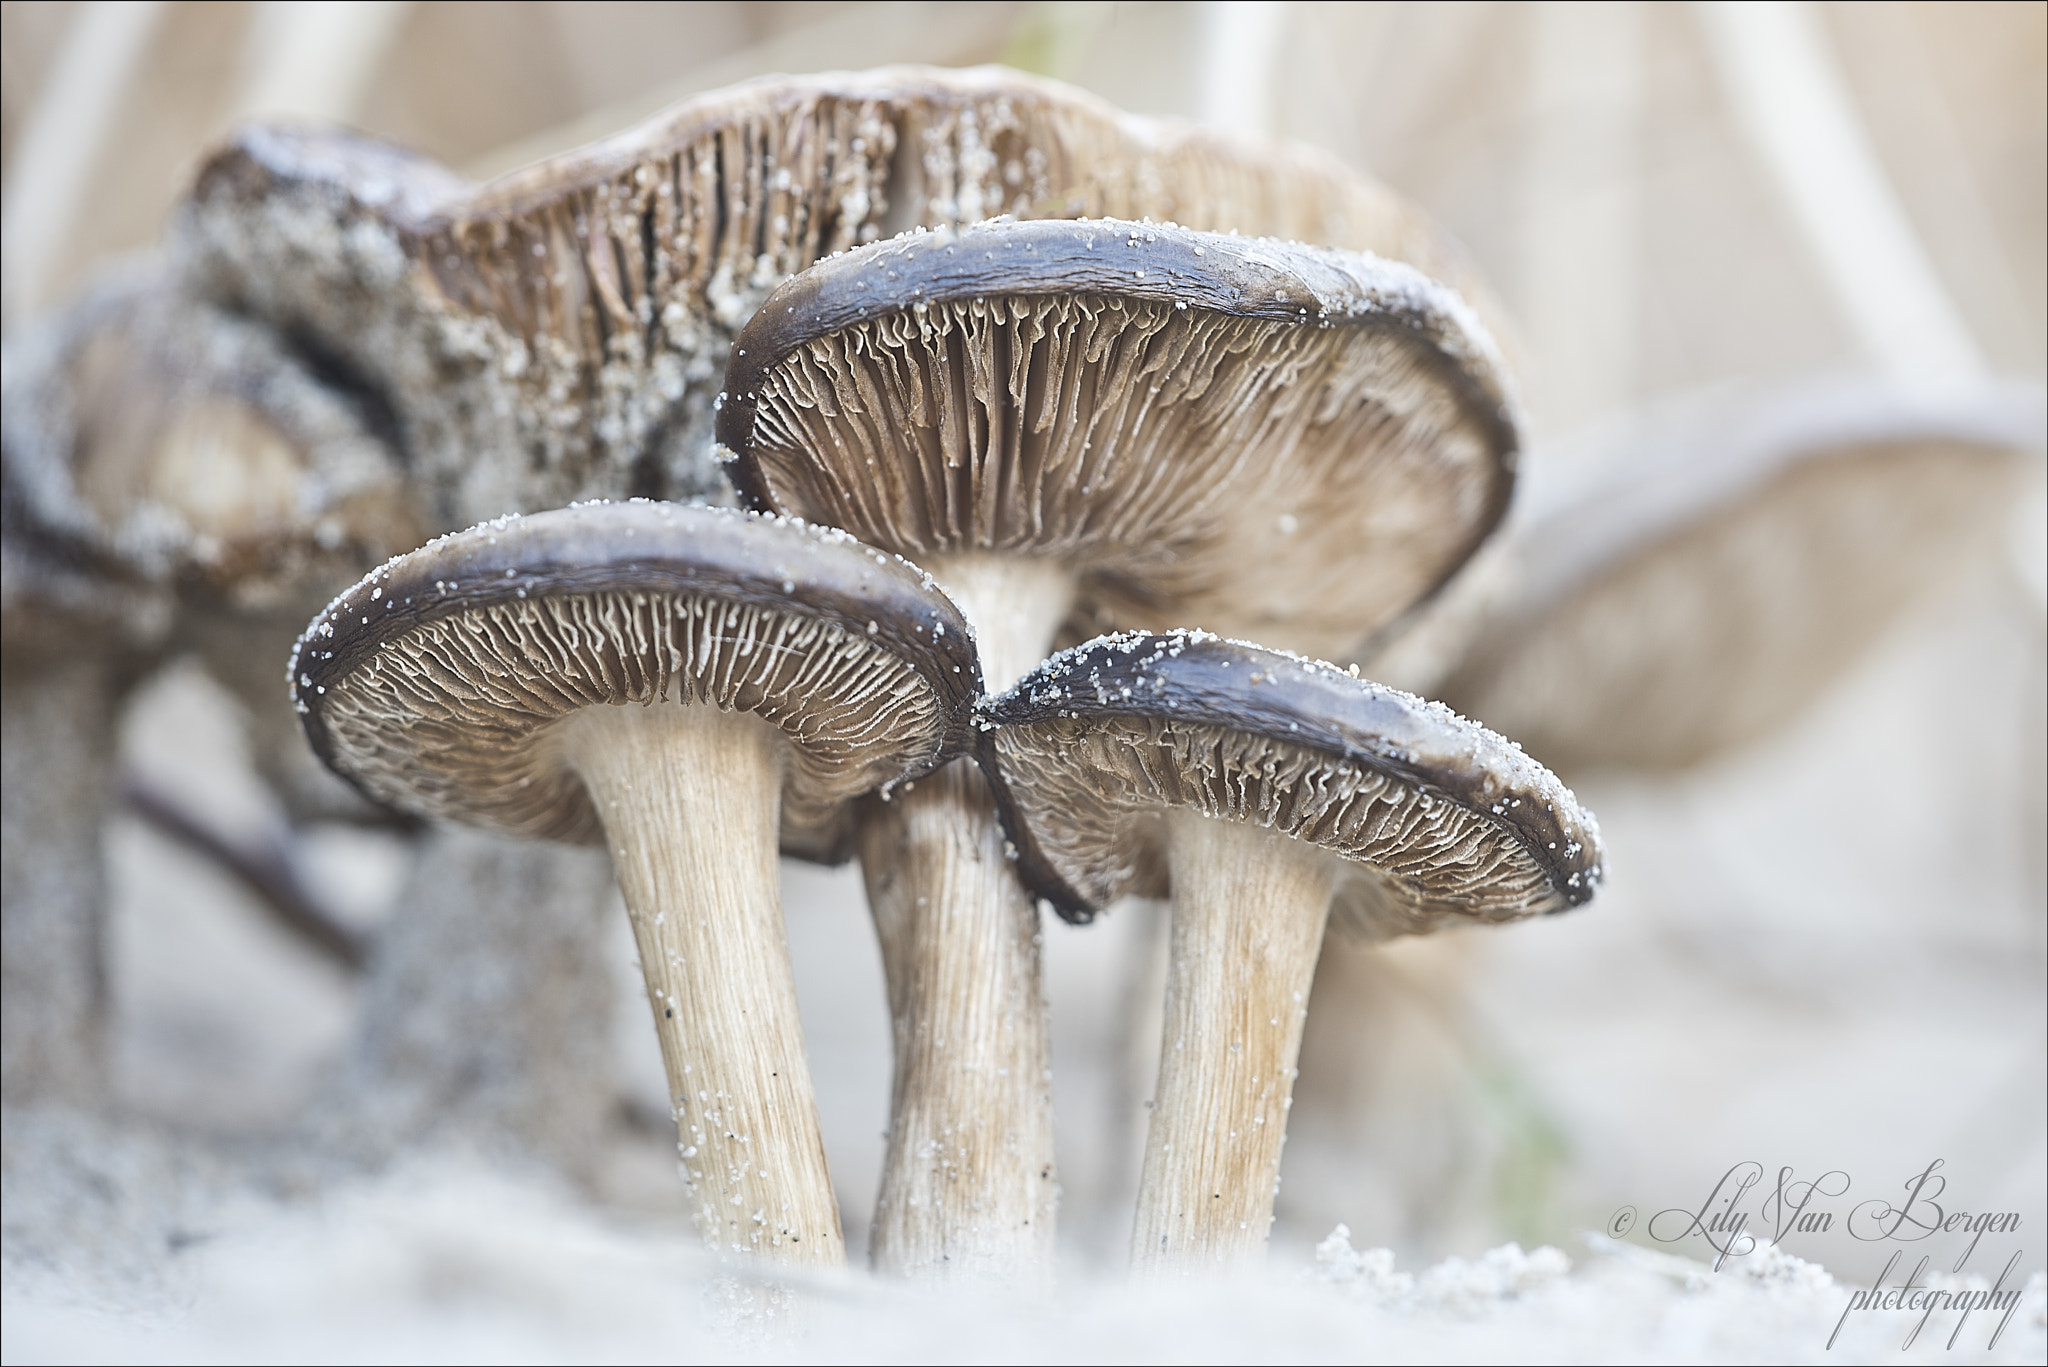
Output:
x=1822 y=948
x=1613 y=168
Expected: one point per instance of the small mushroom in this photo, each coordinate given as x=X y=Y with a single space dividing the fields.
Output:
x=1261 y=789
x=1095 y=422
x=683 y=684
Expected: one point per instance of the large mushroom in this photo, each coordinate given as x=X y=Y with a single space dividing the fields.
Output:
x=559 y=332
x=693 y=687
x=1105 y=422
x=1259 y=789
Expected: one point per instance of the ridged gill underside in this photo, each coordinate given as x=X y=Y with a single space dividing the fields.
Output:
x=455 y=718
x=710 y=205
x=1185 y=463
x=557 y=333
x=1091 y=791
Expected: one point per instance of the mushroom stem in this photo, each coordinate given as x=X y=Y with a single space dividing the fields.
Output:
x=1249 y=907
x=968 y=1186
x=57 y=718
x=691 y=802
x=1015 y=603
x=520 y=922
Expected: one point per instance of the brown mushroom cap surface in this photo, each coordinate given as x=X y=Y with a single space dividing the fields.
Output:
x=434 y=683
x=1440 y=819
x=1297 y=441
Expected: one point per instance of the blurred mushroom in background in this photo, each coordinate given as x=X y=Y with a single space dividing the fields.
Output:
x=578 y=311
x=77 y=629
x=181 y=466
x=1707 y=588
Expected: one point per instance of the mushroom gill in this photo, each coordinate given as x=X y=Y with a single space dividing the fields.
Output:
x=1422 y=859
x=477 y=746
x=572 y=317
x=1196 y=429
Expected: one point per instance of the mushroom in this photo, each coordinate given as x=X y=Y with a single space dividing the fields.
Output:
x=525 y=920
x=559 y=332
x=1114 y=423
x=76 y=628
x=1261 y=789
x=165 y=463
x=1296 y=441
x=682 y=683
x=1736 y=564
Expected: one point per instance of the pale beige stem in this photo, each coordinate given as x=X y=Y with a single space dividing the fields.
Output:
x=968 y=1186
x=691 y=802
x=58 y=720
x=1015 y=604
x=1249 y=907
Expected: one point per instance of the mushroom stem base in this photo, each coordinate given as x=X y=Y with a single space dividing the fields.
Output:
x=57 y=720
x=1249 y=907
x=968 y=1185
x=690 y=797
x=518 y=922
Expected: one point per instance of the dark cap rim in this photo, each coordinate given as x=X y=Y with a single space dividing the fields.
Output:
x=1196 y=677
x=645 y=547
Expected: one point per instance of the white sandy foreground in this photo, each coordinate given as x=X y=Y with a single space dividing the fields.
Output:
x=447 y=1261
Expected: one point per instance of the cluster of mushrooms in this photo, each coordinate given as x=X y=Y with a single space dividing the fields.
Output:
x=1027 y=467
x=958 y=446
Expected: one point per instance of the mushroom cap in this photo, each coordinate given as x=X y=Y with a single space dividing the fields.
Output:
x=1735 y=565
x=751 y=183
x=983 y=141
x=432 y=684
x=1294 y=441
x=1439 y=819
x=161 y=453
x=559 y=332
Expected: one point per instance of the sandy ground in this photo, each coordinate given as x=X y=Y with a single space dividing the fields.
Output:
x=443 y=1262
